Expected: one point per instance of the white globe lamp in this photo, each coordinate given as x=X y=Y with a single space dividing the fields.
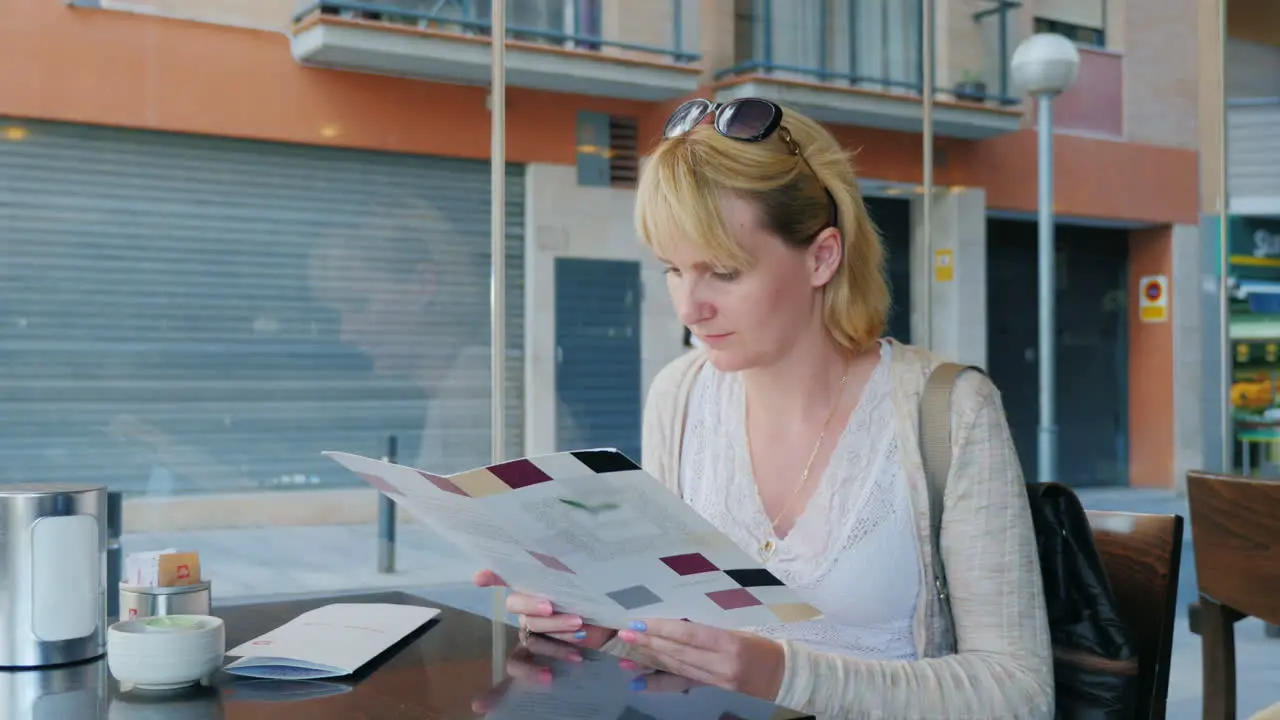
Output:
x=1045 y=64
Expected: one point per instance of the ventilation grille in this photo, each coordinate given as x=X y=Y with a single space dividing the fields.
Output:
x=624 y=153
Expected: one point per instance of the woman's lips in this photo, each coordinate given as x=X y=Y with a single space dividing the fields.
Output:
x=715 y=339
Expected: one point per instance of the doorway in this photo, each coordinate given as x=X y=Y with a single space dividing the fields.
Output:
x=1092 y=351
x=892 y=217
x=598 y=355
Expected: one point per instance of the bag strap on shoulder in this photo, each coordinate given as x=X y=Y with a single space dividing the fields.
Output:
x=935 y=452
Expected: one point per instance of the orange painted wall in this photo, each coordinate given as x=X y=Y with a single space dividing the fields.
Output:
x=115 y=68
x=1151 y=389
x=1092 y=177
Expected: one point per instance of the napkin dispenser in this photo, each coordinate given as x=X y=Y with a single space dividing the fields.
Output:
x=53 y=584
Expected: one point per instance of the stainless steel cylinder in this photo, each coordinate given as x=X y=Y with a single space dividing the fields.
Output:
x=137 y=601
x=53 y=575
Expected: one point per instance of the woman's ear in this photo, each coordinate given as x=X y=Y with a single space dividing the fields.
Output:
x=825 y=255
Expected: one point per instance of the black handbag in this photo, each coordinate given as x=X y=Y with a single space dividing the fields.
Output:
x=1095 y=665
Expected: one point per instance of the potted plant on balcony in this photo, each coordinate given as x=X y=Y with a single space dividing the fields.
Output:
x=971 y=87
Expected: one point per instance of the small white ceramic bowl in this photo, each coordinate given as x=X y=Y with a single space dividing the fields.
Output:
x=163 y=653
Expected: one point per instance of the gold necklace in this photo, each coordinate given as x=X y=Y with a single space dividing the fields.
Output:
x=768 y=547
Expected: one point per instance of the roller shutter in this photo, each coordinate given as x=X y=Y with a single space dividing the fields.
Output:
x=182 y=313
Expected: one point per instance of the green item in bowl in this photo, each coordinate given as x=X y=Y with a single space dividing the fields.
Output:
x=169 y=622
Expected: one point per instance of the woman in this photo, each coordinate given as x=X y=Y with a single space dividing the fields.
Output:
x=794 y=431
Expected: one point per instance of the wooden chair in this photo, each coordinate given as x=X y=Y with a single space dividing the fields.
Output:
x=1235 y=529
x=1141 y=555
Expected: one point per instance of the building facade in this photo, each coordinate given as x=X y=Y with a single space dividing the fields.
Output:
x=246 y=232
x=1240 y=202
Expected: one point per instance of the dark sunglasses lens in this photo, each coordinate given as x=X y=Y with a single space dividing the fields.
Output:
x=686 y=117
x=746 y=119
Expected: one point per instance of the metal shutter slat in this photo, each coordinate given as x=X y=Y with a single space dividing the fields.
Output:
x=167 y=278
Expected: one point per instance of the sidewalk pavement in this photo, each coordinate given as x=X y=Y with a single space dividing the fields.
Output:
x=256 y=564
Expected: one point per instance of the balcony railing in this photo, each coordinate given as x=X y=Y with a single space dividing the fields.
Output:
x=564 y=24
x=867 y=44
x=999 y=28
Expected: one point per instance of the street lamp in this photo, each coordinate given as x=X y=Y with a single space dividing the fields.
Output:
x=1043 y=66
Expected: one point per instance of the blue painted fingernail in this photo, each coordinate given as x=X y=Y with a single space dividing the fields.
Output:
x=638 y=625
x=639 y=683
x=580 y=635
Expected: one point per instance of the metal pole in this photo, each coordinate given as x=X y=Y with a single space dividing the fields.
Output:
x=926 y=212
x=497 y=285
x=1046 y=253
x=387 y=520
x=1227 y=423
x=498 y=231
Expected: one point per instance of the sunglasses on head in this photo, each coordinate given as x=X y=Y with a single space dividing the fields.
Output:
x=746 y=119
x=749 y=119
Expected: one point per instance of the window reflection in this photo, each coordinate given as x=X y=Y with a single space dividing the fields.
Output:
x=412 y=295
x=189 y=314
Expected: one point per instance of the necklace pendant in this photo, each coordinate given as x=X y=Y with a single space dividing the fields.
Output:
x=766 y=550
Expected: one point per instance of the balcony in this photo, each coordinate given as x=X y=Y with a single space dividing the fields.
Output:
x=860 y=62
x=608 y=48
x=1095 y=102
x=1253 y=156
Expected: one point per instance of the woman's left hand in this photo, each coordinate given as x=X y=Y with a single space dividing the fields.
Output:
x=733 y=660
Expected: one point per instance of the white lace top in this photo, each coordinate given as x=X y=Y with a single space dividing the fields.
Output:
x=853 y=551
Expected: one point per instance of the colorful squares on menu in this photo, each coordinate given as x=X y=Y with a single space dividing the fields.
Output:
x=378 y=482
x=734 y=599
x=795 y=612
x=636 y=596
x=479 y=483
x=551 y=562
x=443 y=483
x=519 y=473
x=754 y=577
x=605 y=461
x=689 y=564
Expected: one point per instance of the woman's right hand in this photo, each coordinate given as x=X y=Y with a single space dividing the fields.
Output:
x=538 y=616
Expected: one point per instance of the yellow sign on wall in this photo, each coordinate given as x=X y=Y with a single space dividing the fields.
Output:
x=1153 y=299
x=944 y=265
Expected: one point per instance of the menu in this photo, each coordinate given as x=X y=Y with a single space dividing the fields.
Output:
x=595 y=534
x=331 y=641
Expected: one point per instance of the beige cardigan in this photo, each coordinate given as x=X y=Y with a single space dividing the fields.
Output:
x=998 y=662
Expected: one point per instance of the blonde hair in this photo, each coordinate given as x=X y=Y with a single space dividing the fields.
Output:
x=679 y=194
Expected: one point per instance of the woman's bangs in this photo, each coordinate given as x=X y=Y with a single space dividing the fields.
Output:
x=674 y=211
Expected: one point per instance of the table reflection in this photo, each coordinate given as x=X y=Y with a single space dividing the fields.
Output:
x=70 y=691
x=193 y=703
x=548 y=679
x=460 y=665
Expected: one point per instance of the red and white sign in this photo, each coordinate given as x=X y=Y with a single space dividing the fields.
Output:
x=1153 y=299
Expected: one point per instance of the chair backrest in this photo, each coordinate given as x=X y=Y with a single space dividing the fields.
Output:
x=1141 y=555
x=1236 y=535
